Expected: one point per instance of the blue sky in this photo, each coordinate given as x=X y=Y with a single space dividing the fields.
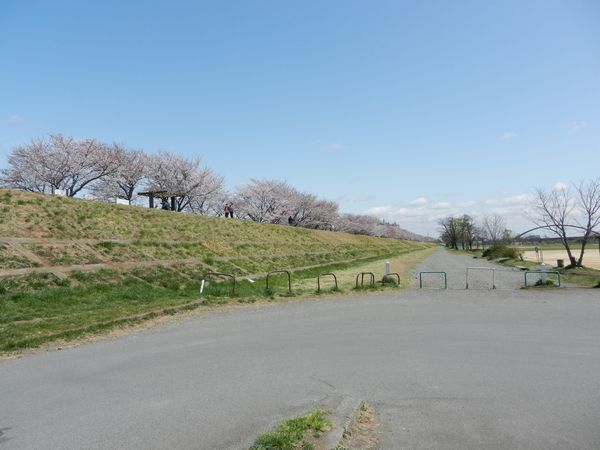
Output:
x=409 y=110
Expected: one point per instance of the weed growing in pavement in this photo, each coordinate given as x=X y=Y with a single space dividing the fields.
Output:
x=291 y=433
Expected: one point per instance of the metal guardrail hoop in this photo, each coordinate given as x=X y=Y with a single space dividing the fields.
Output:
x=481 y=268
x=540 y=272
x=209 y=275
x=362 y=278
x=281 y=271
x=395 y=274
x=331 y=274
x=443 y=273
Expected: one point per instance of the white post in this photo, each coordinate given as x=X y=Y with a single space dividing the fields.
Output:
x=388 y=269
x=543 y=274
x=201 y=287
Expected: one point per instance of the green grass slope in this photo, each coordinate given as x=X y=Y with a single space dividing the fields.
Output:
x=46 y=231
x=70 y=267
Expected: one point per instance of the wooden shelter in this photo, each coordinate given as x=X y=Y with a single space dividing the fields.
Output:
x=163 y=195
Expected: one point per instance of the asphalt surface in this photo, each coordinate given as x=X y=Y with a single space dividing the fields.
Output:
x=452 y=369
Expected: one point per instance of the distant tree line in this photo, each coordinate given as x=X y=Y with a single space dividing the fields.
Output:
x=564 y=211
x=107 y=172
x=465 y=233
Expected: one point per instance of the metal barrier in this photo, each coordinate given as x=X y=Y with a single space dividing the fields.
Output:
x=362 y=278
x=481 y=268
x=209 y=275
x=389 y=275
x=542 y=272
x=281 y=271
x=323 y=275
x=443 y=273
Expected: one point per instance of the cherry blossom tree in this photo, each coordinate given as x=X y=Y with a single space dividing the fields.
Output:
x=58 y=162
x=27 y=168
x=308 y=211
x=131 y=171
x=358 y=224
x=263 y=201
x=270 y=201
x=195 y=185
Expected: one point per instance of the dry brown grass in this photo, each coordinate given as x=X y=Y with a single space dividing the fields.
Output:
x=363 y=432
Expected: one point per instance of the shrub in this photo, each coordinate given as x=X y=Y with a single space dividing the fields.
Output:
x=496 y=251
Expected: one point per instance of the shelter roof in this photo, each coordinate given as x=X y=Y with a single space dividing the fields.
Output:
x=161 y=193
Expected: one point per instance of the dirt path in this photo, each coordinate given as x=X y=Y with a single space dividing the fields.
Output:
x=591 y=257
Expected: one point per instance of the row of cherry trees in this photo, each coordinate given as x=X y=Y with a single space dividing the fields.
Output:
x=109 y=171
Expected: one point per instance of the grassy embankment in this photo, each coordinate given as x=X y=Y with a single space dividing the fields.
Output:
x=73 y=267
x=583 y=276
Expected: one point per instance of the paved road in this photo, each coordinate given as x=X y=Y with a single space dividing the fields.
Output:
x=444 y=369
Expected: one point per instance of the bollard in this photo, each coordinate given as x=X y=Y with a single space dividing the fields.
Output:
x=388 y=268
x=543 y=276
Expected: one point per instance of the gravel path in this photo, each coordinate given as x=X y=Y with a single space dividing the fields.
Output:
x=449 y=369
x=456 y=268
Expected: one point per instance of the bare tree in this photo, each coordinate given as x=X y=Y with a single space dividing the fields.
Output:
x=553 y=210
x=493 y=227
x=467 y=231
x=450 y=231
x=458 y=230
x=588 y=199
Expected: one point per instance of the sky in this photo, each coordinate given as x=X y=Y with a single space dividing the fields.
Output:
x=407 y=110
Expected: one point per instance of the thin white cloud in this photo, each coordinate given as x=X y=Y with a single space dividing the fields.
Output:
x=509 y=135
x=383 y=210
x=14 y=120
x=560 y=186
x=423 y=217
x=518 y=200
x=332 y=147
x=419 y=201
x=576 y=126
